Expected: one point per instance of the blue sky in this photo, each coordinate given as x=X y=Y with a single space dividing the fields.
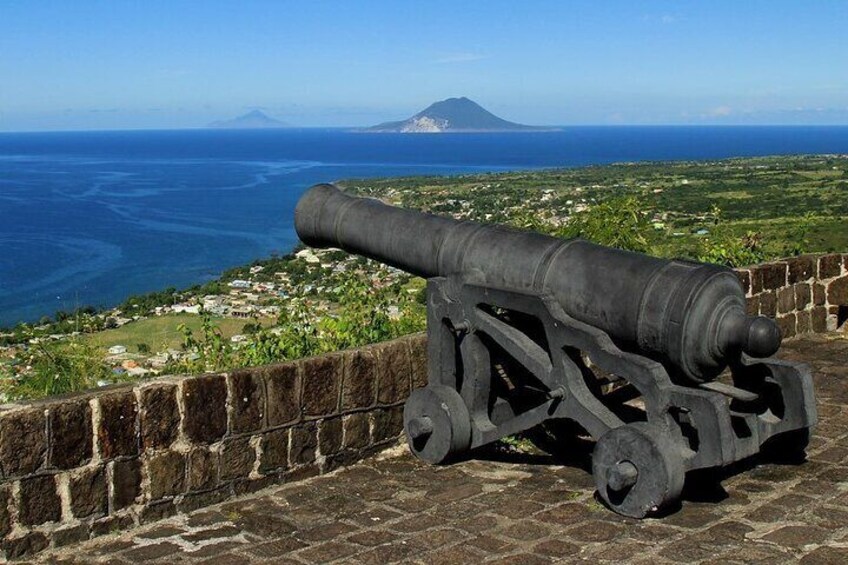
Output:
x=169 y=64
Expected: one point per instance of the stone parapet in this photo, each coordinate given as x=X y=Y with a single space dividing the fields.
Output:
x=804 y=294
x=79 y=466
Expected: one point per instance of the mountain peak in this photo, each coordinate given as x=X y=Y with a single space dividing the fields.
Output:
x=253 y=119
x=452 y=115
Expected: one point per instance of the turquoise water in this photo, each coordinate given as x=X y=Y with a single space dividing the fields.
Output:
x=92 y=217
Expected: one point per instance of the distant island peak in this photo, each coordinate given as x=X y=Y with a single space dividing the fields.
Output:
x=255 y=119
x=453 y=115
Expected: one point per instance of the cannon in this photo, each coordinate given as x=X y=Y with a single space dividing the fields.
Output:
x=656 y=360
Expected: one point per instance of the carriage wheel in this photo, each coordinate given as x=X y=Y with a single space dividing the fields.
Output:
x=638 y=469
x=436 y=423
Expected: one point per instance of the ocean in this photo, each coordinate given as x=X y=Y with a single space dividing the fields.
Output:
x=89 y=218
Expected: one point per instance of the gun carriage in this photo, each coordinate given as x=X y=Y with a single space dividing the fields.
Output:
x=525 y=329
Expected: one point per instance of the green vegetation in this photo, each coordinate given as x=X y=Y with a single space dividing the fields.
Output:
x=57 y=368
x=733 y=212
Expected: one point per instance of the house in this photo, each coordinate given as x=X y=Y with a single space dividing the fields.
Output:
x=239 y=283
x=117 y=350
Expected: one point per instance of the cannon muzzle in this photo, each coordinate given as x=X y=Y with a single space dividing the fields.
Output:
x=689 y=316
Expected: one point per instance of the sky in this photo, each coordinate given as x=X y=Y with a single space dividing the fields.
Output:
x=174 y=64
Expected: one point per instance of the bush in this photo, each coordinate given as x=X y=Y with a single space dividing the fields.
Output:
x=618 y=222
x=57 y=368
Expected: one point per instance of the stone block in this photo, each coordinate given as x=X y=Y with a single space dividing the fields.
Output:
x=117 y=432
x=71 y=534
x=330 y=436
x=160 y=416
x=111 y=524
x=237 y=457
x=752 y=305
x=205 y=408
x=837 y=292
x=23 y=441
x=418 y=359
x=321 y=384
x=388 y=423
x=393 y=369
x=126 y=482
x=756 y=281
x=304 y=441
x=5 y=510
x=282 y=384
x=70 y=433
x=830 y=266
x=155 y=511
x=803 y=324
x=786 y=300
x=89 y=494
x=803 y=296
x=247 y=401
x=773 y=275
x=786 y=324
x=801 y=268
x=275 y=451
x=818 y=319
x=24 y=545
x=166 y=472
x=360 y=379
x=202 y=469
x=40 y=502
x=819 y=294
x=744 y=279
x=357 y=430
x=768 y=304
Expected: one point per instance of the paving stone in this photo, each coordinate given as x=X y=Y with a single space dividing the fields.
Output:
x=151 y=552
x=797 y=536
x=327 y=551
x=826 y=556
x=372 y=538
x=556 y=548
x=276 y=548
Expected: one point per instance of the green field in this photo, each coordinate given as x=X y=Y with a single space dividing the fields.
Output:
x=160 y=333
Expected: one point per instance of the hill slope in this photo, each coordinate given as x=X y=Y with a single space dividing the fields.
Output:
x=452 y=115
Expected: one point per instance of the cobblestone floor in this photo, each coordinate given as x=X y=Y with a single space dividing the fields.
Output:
x=527 y=510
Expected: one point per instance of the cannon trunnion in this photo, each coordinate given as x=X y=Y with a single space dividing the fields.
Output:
x=525 y=329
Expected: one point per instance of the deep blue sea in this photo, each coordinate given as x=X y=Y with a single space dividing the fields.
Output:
x=88 y=218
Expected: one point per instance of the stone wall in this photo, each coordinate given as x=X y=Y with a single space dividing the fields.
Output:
x=805 y=294
x=84 y=465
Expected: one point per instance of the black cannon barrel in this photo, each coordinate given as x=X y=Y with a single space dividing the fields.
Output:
x=691 y=316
